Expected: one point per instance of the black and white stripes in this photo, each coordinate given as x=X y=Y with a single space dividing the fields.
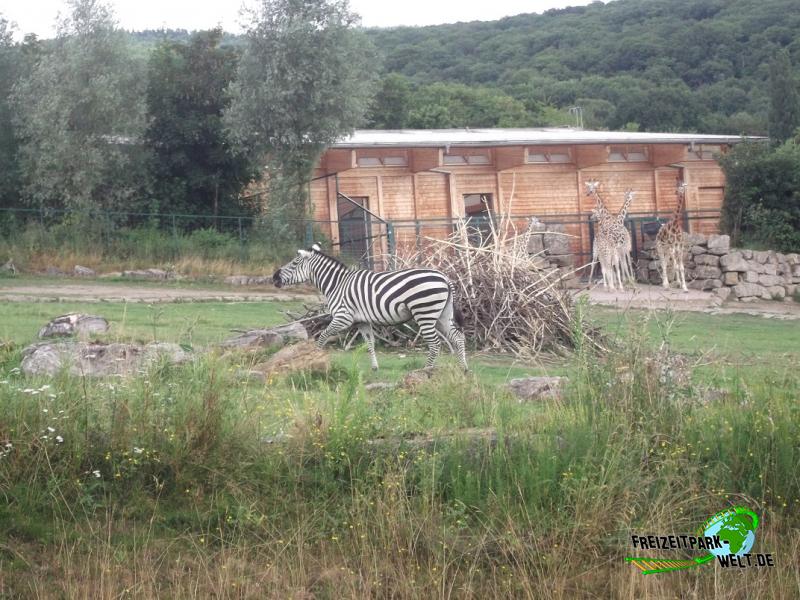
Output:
x=363 y=298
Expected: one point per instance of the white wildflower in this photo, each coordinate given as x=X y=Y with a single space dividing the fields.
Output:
x=51 y=430
x=137 y=450
x=59 y=439
x=96 y=473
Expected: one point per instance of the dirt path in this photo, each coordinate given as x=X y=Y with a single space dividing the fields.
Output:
x=657 y=298
x=89 y=291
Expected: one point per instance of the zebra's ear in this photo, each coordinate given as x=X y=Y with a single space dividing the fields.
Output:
x=316 y=247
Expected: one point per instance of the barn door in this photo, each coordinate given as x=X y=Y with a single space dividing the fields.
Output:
x=354 y=227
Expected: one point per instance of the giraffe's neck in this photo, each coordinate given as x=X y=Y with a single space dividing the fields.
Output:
x=676 y=218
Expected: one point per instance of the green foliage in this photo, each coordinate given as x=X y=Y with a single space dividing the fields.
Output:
x=191 y=166
x=784 y=107
x=665 y=64
x=79 y=110
x=304 y=79
x=762 y=195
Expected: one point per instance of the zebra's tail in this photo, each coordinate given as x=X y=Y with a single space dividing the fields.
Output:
x=458 y=316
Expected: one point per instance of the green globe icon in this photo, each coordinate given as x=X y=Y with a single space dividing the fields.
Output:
x=736 y=529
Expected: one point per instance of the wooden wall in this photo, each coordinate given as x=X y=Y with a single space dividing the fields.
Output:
x=427 y=189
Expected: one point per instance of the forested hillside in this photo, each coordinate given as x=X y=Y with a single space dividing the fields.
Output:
x=648 y=64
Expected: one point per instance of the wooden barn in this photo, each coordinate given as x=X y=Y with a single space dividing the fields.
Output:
x=415 y=183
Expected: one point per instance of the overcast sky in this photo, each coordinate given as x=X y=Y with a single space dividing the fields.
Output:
x=39 y=16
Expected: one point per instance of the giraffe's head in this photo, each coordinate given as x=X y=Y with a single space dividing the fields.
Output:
x=298 y=270
x=681 y=188
x=591 y=187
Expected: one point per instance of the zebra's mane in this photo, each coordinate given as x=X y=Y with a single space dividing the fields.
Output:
x=332 y=259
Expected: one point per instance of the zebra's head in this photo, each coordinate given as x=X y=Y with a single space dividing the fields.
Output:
x=297 y=271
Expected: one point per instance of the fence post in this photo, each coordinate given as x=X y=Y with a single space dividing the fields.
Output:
x=174 y=228
x=391 y=244
x=417 y=233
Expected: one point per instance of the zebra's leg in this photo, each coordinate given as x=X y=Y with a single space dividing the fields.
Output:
x=427 y=328
x=365 y=329
x=341 y=321
x=454 y=337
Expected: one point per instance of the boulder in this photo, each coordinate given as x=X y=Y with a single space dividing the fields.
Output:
x=700 y=284
x=562 y=260
x=696 y=239
x=95 y=359
x=146 y=274
x=556 y=241
x=529 y=389
x=719 y=244
x=793 y=259
x=777 y=292
x=730 y=278
x=770 y=268
x=304 y=356
x=750 y=277
x=754 y=265
x=74 y=324
x=266 y=338
x=722 y=293
x=710 y=260
x=706 y=272
x=770 y=280
x=415 y=378
x=54 y=272
x=747 y=254
x=760 y=256
x=733 y=262
x=744 y=290
x=84 y=271
x=795 y=270
x=698 y=250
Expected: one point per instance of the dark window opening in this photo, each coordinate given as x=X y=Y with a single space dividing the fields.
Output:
x=478 y=215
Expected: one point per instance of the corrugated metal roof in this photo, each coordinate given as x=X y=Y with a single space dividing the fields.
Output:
x=509 y=137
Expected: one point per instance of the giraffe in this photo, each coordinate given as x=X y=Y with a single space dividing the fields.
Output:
x=604 y=249
x=613 y=240
x=671 y=244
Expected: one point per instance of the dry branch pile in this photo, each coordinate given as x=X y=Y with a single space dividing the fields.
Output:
x=508 y=301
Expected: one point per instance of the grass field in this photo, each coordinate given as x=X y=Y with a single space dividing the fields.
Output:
x=192 y=481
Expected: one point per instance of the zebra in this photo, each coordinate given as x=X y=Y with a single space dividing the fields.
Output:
x=361 y=297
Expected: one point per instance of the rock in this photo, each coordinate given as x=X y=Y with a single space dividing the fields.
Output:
x=705 y=272
x=793 y=259
x=700 y=284
x=265 y=338
x=146 y=274
x=415 y=378
x=707 y=259
x=750 y=299
x=562 y=260
x=733 y=262
x=304 y=356
x=529 y=389
x=95 y=359
x=696 y=239
x=744 y=290
x=770 y=269
x=556 y=242
x=777 y=292
x=750 y=277
x=760 y=257
x=748 y=254
x=714 y=284
x=719 y=244
x=84 y=271
x=781 y=258
x=380 y=386
x=730 y=278
x=54 y=272
x=770 y=280
x=74 y=324
x=648 y=245
x=698 y=250
x=791 y=290
x=754 y=265
x=236 y=280
x=723 y=293
x=795 y=270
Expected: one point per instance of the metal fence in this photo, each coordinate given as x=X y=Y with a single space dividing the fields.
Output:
x=360 y=236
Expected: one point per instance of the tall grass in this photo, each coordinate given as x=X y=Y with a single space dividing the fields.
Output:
x=99 y=245
x=192 y=482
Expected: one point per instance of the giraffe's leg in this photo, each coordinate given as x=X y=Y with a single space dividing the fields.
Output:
x=365 y=329
x=680 y=268
x=663 y=259
x=341 y=321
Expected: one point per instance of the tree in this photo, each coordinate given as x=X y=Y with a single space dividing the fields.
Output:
x=192 y=167
x=305 y=79
x=9 y=71
x=80 y=116
x=784 y=105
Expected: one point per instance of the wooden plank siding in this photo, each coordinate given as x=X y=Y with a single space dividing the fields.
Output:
x=426 y=188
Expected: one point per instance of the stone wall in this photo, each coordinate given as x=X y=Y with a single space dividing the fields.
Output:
x=732 y=274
